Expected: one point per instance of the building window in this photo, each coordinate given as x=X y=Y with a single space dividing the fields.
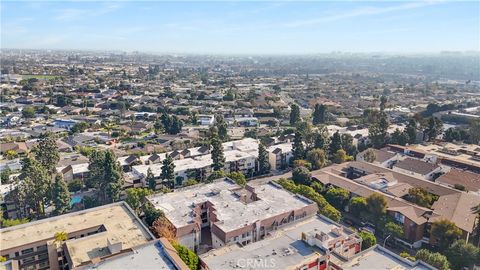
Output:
x=43 y=264
x=43 y=256
x=28 y=260
x=42 y=248
x=27 y=251
x=399 y=217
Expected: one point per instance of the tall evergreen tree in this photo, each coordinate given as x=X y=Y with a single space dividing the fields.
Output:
x=95 y=167
x=263 y=164
x=221 y=127
x=298 y=150
x=434 y=128
x=335 y=143
x=46 y=152
x=399 y=137
x=35 y=185
x=383 y=103
x=347 y=144
x=61 y=195
x=218 y=157
x=168 y=171
x=113 y=180
x=294 y=115
x=319 y=114
x=150 y=179
x=411 y=131
x=176 y=126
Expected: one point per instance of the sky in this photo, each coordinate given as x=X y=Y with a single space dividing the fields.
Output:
x=246 y=27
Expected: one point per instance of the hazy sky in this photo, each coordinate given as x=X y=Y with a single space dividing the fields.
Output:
x=242 y=27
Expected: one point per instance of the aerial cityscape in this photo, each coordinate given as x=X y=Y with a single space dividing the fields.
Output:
x=194 y=135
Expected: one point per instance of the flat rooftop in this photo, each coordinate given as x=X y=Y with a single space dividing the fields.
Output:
x=117 y=218
x=149 y=256
x=284 y=248
x=224 y=195
x=380 y=258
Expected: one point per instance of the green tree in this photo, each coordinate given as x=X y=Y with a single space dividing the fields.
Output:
x=89 y=202
x=420 y=197
x=340 y=156
x=190 y=182
x=150 y=179
x=238 y=177
x=168 y=171
x=13 y=222
x=411 y=131
x=301 y=175
x=393 y=229
x=46 y=152
x=377 y=135
x=221 y=127
x=79 y=127
x=136 y=197
x=218 y=157
x=463 y=255
x=321 y=139
x=474 y=131
x=294 y=114
x=11 y=154
x=28 y=112
x=187 y=256
x=263 y=164
x=347 y=144
x=151 y=214
x=324 y=207
x=216 y=175
x=60 y=195
x=358 y=206
x=368 y=239
x=445 y=233
x=75 y=185
x=399 y=137
x=35 y=185
x=434 y=128
x=113 y=180
x=338 y=197
x=319 y=114
x=61 y=236
x=435 y=259
x=377 y=207
x=383 y=103
x=298 y=150
x=369 y=155
x=317 y=158
x=335 y=143
x=105 y=175
x=5 y=176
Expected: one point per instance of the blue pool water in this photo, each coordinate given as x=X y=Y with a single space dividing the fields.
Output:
x=75 y=199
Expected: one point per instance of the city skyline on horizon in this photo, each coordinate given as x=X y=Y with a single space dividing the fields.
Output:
x=239 y=28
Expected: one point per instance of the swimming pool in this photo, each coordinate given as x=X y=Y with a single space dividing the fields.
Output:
x=75 y=199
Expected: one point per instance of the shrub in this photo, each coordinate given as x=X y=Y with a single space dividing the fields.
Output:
x=187 y=256
x=75 y=185
x=368 y=239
